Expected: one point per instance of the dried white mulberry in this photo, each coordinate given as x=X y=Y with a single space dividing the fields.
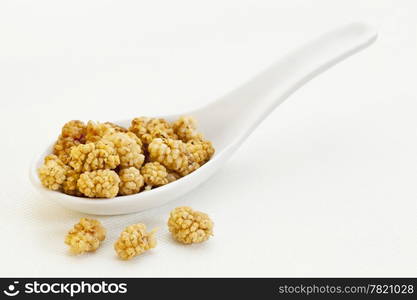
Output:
x=62 y=148
x=129 y=151
x=75 y=129
x=94 y=156
x=99 y=184
x=133 y=241
x=72 y=134
x=96 y=131
x=69 y=186
x=85 y=236
x=154 y=174
x=185 y=128
x=131 y=181
x=53 y=172
x=188 y=226
x=172 y=154
x=149 y=128
x=170 y=151
x=200 y=150
x=116 y=127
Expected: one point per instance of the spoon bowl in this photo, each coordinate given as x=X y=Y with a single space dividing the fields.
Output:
x=228 y=121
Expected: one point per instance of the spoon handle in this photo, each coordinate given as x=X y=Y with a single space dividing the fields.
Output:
x=244 y=108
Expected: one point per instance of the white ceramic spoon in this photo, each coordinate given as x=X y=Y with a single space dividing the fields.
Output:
x=228 y=121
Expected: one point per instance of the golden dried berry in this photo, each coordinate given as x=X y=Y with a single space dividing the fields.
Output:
x=52 y=173
x=94 y=156
x=134 y=136
x=62 y=148
x=154 y=174
x=131 y=181
x=170 y=151
x=172 y=154
x=74 y=129
x=85 y=236
x=128 y=150
x=70 y=184
x=200 y=150
x=99 y=184
x=72 y=134
x=116 y=127
x=139 y=126
x=188 y=226
x=185 y=128
x=133 y=241
x=148 y=129
x=96 y=131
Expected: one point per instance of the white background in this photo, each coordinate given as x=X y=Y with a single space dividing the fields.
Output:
x=326 y=186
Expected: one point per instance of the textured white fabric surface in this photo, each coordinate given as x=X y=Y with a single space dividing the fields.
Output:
x=324 y=187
